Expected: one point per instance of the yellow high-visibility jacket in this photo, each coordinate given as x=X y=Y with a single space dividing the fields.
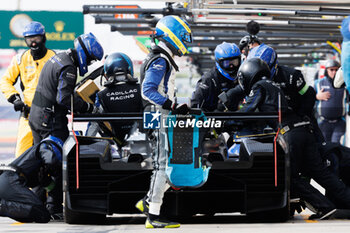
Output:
x=24 y=67
x=27 y=70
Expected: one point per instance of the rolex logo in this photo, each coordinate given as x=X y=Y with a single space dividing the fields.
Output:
x=59 y=26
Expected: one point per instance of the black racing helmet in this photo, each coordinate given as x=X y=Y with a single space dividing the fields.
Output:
x=252 y=71
x=118 y=67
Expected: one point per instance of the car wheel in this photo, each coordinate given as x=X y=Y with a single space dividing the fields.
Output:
x=75 y=217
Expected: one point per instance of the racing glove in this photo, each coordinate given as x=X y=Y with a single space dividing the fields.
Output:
x=17 y=102
x=180 y=109
x=244 y=42
x=26 y=111
x=175 y=108
x=220 y=107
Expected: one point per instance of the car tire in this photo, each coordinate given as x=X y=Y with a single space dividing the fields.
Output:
x=75 y=217
x=278 y=215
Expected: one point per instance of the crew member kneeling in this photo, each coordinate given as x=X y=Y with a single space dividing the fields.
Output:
x=39 y=165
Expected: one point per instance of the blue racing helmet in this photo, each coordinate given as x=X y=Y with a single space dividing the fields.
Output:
x=267 y=54
x=56 y=145
x=118 y=68
x=228 y=59
x=34 y=28
x=88 y=49
x=175 y=32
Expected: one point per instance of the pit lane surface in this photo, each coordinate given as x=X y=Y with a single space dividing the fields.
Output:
x=218 y=223
x=221 y=223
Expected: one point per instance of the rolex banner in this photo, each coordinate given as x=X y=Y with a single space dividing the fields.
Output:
x=61 y=28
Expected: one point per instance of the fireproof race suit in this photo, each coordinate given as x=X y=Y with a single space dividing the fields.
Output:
x=39 y=165
x=209 y=87
x=304 y=155
x=158 y=88
x=23 y=67
x=300 y=96
x=52 y=98
x=122 y=97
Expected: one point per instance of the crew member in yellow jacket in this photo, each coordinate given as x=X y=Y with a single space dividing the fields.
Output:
x=26 y=68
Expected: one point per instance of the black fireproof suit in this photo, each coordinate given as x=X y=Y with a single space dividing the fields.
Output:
x=121 y=97
x=300 y=97
x=304 y=155
x=39 y=165
x=210 y=86
x=52 y=98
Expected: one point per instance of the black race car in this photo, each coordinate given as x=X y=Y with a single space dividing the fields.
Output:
x=254 y=180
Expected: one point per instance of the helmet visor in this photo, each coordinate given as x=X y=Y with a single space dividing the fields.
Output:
x=230 y=64
x=187 y=38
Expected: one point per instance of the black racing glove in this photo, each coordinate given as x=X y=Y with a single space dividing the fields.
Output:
x=220 y=107
x=175 y=108
x=244 y=42
x=17 y=102
x=180 y=109
x=26 y=111
x=18 y=105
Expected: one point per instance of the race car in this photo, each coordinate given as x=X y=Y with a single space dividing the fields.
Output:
x=251 y=177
